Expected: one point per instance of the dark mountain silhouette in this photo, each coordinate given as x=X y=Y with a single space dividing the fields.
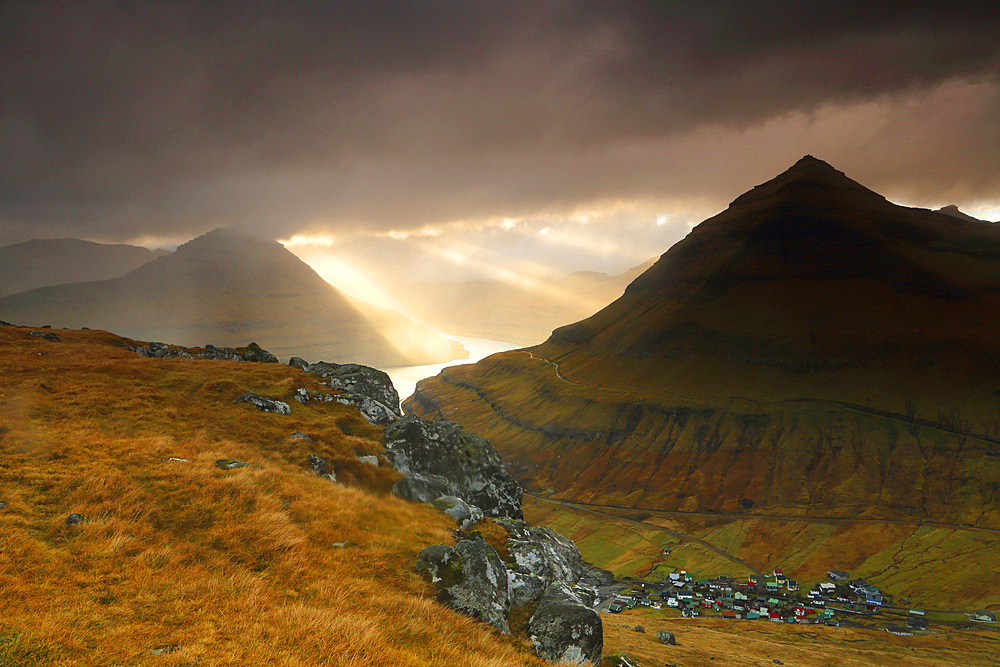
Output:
x=226 y=288
x=812 y=349
x=45 y=262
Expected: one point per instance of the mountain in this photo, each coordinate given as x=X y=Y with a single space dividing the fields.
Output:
x=45 y=262
x=522 y=313
x=226 y=288
x=812 y=350
x=952 y=210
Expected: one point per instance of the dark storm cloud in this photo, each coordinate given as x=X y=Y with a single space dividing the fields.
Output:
x=171 y=116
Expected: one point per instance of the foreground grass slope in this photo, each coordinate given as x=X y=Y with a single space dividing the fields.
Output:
x=179 y=562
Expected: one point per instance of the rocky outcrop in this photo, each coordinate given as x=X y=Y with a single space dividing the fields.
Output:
x=469 y=464
x=264 y=404
x=666 y=637
x=465 y=515
x=421 y=488
x=543 y=552
x=252 y=352
x=368 y=389
x=471 y=579
x=565 y=630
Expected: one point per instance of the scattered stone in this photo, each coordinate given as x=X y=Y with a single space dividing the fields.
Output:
x=174 y=458
x=160 y=351
x=265 y=404
x=256 y=354
x=564 y=630
x=471 y=579
x=46 y=336
x=3 y=506
x=666 y=637
x=344 y=545
x=468 y=463
x=74 y=518
x=464 y=514
x=318 y=465
x=162 y=650
x=777 y=662
x=619 y=660
x=299 y=435
x=229 y=464
x=368 y=389
x=370 y=460
x=639 y=628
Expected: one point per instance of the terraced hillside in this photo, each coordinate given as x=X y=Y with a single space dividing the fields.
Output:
x=813 y=350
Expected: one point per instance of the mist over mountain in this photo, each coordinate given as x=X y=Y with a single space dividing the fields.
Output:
x=45 y=262
x=524 y=313
x=228 y=288
x=812 y=349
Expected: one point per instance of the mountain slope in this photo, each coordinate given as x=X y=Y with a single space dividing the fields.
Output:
x=813 y=349
x=226 y=288
x=179 y=562
x=45 y=262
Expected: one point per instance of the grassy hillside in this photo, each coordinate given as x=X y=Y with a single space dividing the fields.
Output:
x=181 y=563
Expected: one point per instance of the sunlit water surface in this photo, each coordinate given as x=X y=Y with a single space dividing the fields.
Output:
x=405 y=378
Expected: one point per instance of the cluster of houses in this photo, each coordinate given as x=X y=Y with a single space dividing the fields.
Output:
x=776 y=598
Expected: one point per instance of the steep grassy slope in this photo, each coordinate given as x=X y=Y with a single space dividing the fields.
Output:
x=44 y=262
x=179 y=562
x=814 y=350
x=228 y=289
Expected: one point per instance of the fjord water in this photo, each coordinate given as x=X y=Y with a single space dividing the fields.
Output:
x=405 y=378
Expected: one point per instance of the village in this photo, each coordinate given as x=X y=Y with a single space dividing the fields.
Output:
x=838 y=601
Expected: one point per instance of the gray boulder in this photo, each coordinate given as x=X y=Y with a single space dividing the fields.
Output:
x=525 y=588
x=421 y=488
x=564 y=630
x=471 y=579
x=368 y=389
x=265 y=404
x=470 y=464
x=74 y=519
x=465 y=515
x=543 y=552
x=666 y=637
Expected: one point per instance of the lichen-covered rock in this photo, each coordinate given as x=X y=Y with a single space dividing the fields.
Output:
x=265 y=404
x=369 y=460
x=465 y=515
x=564 y=630
x=525 y=588
x=469 y=463
x=666 y=637
x=74 y=519
x=471 y=579
x=368 y=389
x=543 y=551
x=421 y=488
x=619 y=660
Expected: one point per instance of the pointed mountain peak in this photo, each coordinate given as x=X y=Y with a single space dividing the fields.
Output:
x=808 y=177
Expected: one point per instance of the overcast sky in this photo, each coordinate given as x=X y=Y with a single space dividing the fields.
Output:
x=449 y=139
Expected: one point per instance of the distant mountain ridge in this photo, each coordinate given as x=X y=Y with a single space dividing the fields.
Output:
x=813 y=349
x=227 y=288
x=46 y=262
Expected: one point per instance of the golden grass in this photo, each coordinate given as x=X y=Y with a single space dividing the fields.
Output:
x=203 y=565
